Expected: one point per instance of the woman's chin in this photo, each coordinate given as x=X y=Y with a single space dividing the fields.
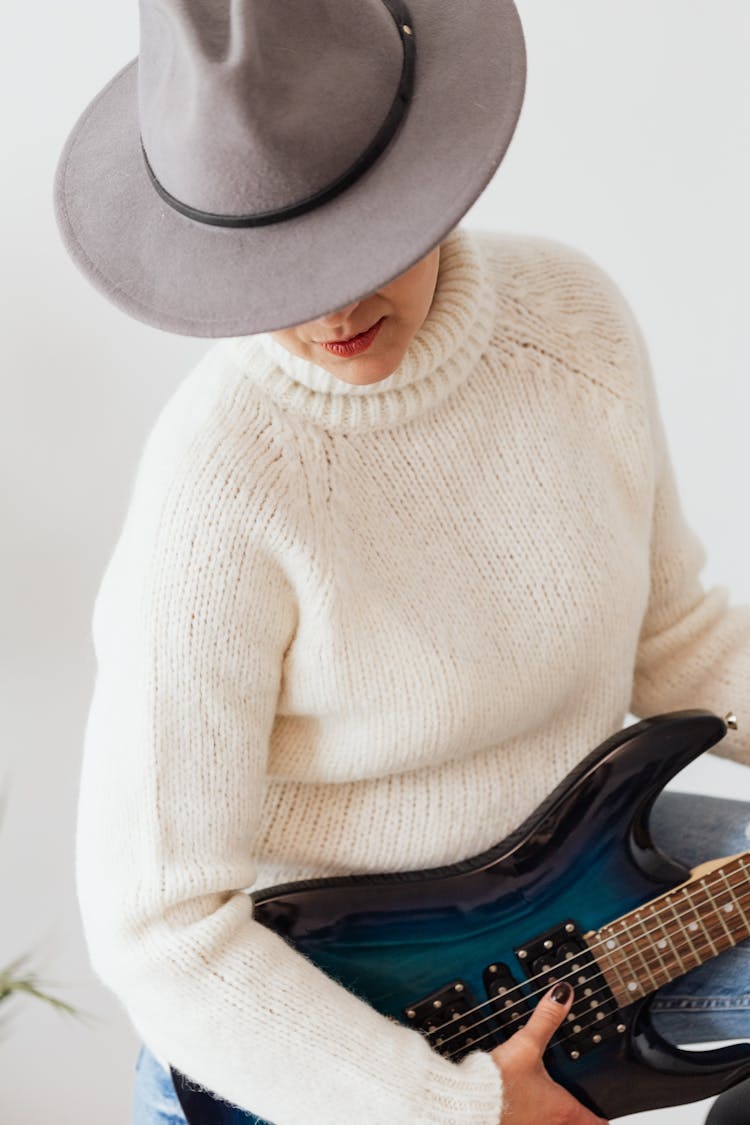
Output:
x=363 y=370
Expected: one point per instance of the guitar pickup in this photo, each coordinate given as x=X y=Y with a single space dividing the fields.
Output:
x=561 y=953
x=508 y=1004
x=448 y=1020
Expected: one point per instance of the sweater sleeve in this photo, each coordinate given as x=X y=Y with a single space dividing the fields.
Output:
x=190 y=625
x=694 y=646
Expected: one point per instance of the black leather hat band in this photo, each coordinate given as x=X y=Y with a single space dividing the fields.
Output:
x=402 y=18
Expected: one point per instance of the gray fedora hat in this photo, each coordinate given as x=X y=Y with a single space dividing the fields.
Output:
x=261 y=163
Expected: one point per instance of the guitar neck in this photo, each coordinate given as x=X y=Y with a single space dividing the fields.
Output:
x=676 y=932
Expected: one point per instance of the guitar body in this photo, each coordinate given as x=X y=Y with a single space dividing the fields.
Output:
x=403 y=940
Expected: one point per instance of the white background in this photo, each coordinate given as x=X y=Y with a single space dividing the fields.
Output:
x=632 y=145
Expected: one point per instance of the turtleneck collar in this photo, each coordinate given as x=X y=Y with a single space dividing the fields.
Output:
x=440 y=355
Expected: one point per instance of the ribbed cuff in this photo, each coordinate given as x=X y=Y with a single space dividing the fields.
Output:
x=467 y=1093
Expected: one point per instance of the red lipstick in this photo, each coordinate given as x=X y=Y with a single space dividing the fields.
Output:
x=355 y=344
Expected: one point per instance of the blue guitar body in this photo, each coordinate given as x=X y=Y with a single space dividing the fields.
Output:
x=471 y=935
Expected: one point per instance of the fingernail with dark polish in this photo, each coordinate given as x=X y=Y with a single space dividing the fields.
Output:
x=562 y=993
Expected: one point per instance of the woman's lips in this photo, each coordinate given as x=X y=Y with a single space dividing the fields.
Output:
x=356 y=344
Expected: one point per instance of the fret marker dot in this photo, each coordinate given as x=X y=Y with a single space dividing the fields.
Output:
x=728 y=907
x=662 y=943
x=611 y=943
x=632 y=985
x=693 y=926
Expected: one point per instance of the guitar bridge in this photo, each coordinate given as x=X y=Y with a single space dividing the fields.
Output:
x=561 y=953
x=443 y=1018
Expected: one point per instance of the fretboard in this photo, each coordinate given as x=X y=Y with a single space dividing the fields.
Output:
x=676 y=932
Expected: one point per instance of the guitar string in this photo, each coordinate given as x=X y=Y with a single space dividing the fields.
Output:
x=590 y=950
x=583 y=1022
x=585 y=1025
x=690 y=947
x=580 y=1023
x=596 y=945
x=598 y=973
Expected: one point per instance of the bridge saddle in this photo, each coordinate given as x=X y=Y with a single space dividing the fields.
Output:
x=443 y=1019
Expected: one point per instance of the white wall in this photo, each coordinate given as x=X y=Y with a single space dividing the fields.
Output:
x=632 y=145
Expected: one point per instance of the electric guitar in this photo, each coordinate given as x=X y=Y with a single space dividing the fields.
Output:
x=578 y=892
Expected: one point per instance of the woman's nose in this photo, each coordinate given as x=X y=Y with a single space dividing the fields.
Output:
x=339 y=315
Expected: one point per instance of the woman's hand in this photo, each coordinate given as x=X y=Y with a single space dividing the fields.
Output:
x=530 y=1096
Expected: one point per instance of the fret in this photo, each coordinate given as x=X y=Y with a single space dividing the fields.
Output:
x=698 y=959
x=733 y=898
x=655 y=983
x=628 y=947
x=731 y=914
x=607 y=962
x=652 y=935
x=742 y=912
x=658 y=946
x=720 y=916
x=700 y=922
x=727 y=911
x=717 y=879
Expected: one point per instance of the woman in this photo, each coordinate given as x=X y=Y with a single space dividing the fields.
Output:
x=368 y=604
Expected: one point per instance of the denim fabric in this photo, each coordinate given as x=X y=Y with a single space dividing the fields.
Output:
x=709 y=1003
x=154 y=1099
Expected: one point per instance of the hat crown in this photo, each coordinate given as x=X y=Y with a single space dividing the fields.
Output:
x=251 y=107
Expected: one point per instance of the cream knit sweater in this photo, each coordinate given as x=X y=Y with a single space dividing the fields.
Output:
x=359 y=629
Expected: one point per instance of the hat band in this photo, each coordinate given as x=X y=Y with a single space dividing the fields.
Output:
x=399 y=106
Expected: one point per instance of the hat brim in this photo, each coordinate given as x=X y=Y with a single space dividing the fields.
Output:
x=194 y=279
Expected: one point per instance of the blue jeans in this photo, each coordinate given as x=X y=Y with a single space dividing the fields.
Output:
x=709 y=1003
x=154 y=1099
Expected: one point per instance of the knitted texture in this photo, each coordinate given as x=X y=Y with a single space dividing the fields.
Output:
x=349 y=630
